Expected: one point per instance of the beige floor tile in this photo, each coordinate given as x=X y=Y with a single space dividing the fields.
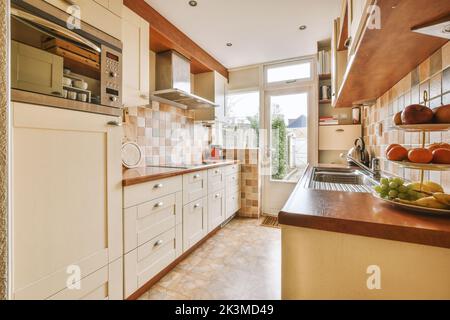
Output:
x=242 y=261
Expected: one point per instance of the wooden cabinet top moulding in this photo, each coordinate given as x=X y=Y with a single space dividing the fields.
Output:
x=384 y=56
x=165 y=36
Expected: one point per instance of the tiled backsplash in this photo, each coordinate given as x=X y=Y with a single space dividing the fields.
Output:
x=433 y=76
x=165 y=134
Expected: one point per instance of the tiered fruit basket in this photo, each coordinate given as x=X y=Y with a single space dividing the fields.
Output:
x=429 y=201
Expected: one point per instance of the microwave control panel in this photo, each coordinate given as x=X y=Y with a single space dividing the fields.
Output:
x=111 y=78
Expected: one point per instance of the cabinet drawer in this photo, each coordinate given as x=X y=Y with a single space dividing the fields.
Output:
x=233 y=203
x=146 y=221
x=140 y=193
x=233 y=183
x=216 y=209
x=195 y=225
x=216 y=180
x=232 y=169
x=195 y=186
x=143 y=263
x=338 y=137
x=106 y=283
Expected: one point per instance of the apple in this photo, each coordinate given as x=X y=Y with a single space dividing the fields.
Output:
x=417 y=114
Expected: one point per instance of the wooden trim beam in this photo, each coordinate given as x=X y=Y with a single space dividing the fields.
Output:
x=165 y=36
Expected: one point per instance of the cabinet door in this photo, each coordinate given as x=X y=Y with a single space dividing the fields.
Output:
x=357 y=16
x=195 y=225
x=220 y=91
x=95 y=13
x=338 y=137
x=67 y=166
x=216 y=179
x=47 y=69
x=216 y=209
x=136 y=73
x=233 y=203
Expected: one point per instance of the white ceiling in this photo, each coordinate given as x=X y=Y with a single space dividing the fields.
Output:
x=260 y=30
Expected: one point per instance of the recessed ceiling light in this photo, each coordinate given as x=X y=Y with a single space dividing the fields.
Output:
x=229 y=44
x=193 y=3
x=302 y=27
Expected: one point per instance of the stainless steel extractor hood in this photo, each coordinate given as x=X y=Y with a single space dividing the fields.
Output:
x=173 y=81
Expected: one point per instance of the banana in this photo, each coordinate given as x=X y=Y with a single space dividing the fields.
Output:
x=442 y=198
x=430 y=202
x=427 y=187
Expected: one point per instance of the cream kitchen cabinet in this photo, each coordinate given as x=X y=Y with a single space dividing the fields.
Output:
x=338 y=62
x=195 y=224
x=152 y=229
x=211 y=86
x=136 y=44
x=66 y=219
x=232 y=190
x=105 y=15
x=338 y=138
x=216 y=198
x=357 y=17
x=195 y=186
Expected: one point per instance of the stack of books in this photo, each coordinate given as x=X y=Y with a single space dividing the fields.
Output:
x=324 y=62
x=328 y=121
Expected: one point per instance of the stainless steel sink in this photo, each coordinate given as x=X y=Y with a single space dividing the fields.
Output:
x=340 y=179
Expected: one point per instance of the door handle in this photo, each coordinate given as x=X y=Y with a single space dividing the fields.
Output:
x=114 y=123
x=339 y=130
x=197 y=205
x=158 y=186
x=158 y=243
x=159 y=204
x=196 y=176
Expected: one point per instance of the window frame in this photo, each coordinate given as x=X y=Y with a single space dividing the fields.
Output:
x=292 y=82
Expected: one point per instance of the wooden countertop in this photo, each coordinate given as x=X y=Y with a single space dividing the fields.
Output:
x=364 y=215
x=145 y=174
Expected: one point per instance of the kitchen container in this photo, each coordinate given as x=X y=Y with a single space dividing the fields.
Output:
x=80 y=84
x=82 y=97
x=72 y=95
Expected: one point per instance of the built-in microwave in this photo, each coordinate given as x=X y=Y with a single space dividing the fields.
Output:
x=53 y=57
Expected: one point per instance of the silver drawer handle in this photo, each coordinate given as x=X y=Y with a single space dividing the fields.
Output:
x=114 y=123
x=339 y=130
x=233 y=178
x=197 y=205
x=159 y=204
x=158 y=243
x=217 y=195
x=158 y=186
x=196 y=176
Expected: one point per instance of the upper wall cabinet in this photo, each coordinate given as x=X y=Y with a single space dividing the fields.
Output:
x=357 y=15
x=136 y=73
x=102 y=14
x=211 y=86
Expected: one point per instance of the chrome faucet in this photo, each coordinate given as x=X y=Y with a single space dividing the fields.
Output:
x=376 y=168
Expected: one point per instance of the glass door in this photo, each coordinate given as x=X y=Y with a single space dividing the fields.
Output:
x=287 y=144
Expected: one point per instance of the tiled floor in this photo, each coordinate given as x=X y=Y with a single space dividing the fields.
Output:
x=241 y=261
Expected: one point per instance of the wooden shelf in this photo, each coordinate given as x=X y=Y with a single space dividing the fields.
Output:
x=384 y=56
x=325 y=101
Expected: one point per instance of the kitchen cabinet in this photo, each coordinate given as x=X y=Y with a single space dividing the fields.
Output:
x=211 y=86
x=232 y=190
x=153 y=235
x=136 y=44
x=195 y=225
x=48 y=68
x=216 y=198
x=338 y=62
x=105 y=15
x=338 y=137
x=357 y=16
x=195 y=186
x=67 y=166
